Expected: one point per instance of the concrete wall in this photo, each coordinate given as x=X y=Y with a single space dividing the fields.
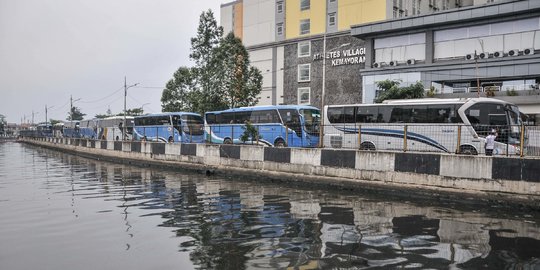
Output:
x=493 y=178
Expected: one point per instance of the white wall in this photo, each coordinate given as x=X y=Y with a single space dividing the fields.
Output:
x=280 y=69
x=259 y=22
x=262 y=59
x=226 y=19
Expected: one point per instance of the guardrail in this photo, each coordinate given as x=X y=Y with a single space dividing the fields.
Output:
x=450 y=138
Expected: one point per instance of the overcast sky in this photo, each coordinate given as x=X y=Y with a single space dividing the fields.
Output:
x=52 y=49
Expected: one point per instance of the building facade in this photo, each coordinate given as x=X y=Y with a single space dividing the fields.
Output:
x=483 y=50
x=459 y=48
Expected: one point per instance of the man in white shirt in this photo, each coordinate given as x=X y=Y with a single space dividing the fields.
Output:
x=490 y=143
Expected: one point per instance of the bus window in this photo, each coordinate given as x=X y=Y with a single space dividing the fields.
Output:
x=348 y=115
x=335 y=115
x=210 y=118
x=366 y=114
x=242 y=117
x=384 y=113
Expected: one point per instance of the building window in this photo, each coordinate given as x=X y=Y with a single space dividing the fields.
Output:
x=304 y=49
x=331 y=19
x=332 y=1
x=279 y=29
x=304 y=71
x=304 y=27
x=305 y=4
x=304 y=95
x=279 y=7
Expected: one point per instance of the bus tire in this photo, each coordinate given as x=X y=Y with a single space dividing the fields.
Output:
x=103 y=137
x=367 y=146
x=280 y=143
x=117 y=138
x=227 y=141
x=170 y=140
x=467 y=150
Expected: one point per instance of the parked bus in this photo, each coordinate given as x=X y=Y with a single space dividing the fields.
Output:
x=44 y=130
x=112 y=128
x=185 y=127
x=88 y=129
x=58 y=130
x=430 y=125
x=279 y=125
x=71 y=129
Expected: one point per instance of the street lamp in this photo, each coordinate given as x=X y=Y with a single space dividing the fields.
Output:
x=46 y=118
x=126 y=87
x=321 y=129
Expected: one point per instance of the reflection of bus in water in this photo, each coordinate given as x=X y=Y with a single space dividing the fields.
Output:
x=279 y=125
x=184 y=127
x=111 y=128
x=425 y=125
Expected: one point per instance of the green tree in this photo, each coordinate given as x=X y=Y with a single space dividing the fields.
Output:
x=3 y=123
x=391 y=90
x=75 y=114
x=240 y=82
x=221 y=77
x=132 y=112
x=54 y=122
x=101 y=116
x=207 y=95
x=251 y=133
x=176 y=96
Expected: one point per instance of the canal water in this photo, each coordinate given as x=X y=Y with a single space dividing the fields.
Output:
x=60 y=211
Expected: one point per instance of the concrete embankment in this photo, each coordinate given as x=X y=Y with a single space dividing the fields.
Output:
x=510 y=180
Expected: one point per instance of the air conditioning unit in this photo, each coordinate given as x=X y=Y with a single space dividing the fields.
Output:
x=393 y=63
x=378 y=64
x=484 y=55
x=411 y=61
x=469 y=56
x=528 y=51
x=513 y=53
x=498 y=54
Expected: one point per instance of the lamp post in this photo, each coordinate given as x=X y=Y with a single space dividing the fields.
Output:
x=321 y=129
x=46 y=116
x=126 y=87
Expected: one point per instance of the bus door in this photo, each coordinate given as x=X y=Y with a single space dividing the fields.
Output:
x=291 y=120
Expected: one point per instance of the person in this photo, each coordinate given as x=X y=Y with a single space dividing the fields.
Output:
x=490 y=143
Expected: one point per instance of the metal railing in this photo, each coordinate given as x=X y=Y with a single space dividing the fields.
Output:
x=516 y=140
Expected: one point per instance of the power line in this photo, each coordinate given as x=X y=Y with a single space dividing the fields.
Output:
x=97 y=100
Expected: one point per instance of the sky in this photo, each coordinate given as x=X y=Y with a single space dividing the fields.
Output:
x=52 y=50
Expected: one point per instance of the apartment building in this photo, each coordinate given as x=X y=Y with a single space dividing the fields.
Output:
x=438 y=42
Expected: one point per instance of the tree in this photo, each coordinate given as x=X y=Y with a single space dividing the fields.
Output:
x=101 y=116
x=54 y=122
x=221 y=78
x=132 y=112
x=3 y=123
x=240 y=82
x=391 y=90
x=207 y=95
x=75 y=114
x=176 y=96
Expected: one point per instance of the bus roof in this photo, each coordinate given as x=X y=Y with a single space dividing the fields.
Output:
x=267 y=107
x=429 y=101
x=117 y=117
x=167 y=113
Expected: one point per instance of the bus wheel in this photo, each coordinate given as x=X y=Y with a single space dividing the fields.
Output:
x=171 y=140
x=117 y=138
x=103 y=137
x=467 y=150
x=280 y=143
x=227 y=141
x=367 y=146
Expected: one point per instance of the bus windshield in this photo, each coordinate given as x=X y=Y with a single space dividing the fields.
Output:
x=312 y=120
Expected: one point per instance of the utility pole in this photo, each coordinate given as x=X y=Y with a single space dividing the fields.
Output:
x=125 y=109
x=46 y=119
x=71 y=108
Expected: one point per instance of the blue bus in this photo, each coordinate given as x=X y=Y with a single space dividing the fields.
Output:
x=278 y=125
x=184 y=127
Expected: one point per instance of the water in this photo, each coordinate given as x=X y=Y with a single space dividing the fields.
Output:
x=59 y=211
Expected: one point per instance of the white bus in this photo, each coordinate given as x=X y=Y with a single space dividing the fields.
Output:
x=111 y=128
x=426 y=125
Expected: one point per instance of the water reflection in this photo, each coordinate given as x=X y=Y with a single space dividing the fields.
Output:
x=237 y=223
